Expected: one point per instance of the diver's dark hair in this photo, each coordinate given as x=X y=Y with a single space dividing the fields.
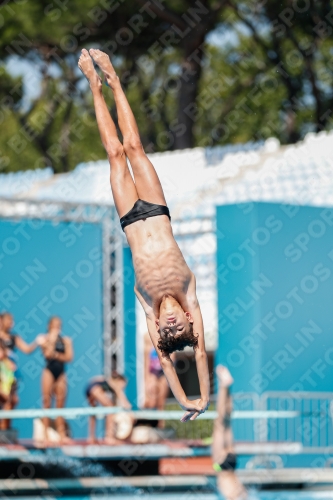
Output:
x=3 y=345
x=170 y=343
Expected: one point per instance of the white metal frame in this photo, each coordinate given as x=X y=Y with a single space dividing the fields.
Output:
x=112 y=241
x=320 y=437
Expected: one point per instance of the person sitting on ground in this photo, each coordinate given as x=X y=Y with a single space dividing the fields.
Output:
x=224 y=457
x=107 y=392
x=7 y=382
x=165 y=285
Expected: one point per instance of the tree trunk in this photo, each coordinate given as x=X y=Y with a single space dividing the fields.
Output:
x=190 y=28
x=187 y=109
x=64 y=139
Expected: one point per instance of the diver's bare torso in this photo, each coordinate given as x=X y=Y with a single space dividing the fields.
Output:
x=159 y=265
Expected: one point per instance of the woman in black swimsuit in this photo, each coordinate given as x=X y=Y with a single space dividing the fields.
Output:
x=12 y=341
x=57 y=351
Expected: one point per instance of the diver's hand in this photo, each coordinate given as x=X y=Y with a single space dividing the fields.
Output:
x=193 y=409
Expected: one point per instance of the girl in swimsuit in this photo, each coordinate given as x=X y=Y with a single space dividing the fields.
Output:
x=106 y=392
x=57 y=351
x=11 y=342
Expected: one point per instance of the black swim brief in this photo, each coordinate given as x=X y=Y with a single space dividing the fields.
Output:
x=229 y=463
x=141 y=211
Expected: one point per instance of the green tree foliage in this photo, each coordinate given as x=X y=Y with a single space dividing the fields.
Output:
x=295 y=42
x=265 y=70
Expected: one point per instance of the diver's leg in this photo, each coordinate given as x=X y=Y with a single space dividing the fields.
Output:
x=147 y=183
x=122 y=184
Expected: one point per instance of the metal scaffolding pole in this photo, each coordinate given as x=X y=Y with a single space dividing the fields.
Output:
x=18 y=209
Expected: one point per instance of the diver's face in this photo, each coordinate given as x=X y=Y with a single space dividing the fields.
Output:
x=173 y=320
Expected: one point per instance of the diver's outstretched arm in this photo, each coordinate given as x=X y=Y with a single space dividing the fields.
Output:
x=200 y=351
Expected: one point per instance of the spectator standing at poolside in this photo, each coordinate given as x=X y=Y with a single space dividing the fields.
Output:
x=12 y=342
x=7 y=382
x=58 y=351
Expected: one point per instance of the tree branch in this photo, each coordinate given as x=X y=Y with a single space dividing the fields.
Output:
x=274 y=60
x=249 y=25
x=292 y=89
x=165 y=14
x=231 y=102
x=308 y=63
x=64 y=136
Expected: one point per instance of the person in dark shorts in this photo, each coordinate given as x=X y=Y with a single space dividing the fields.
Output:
x=224 y=457
x=57 y=351
x=106 y=392
x=165 y=286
